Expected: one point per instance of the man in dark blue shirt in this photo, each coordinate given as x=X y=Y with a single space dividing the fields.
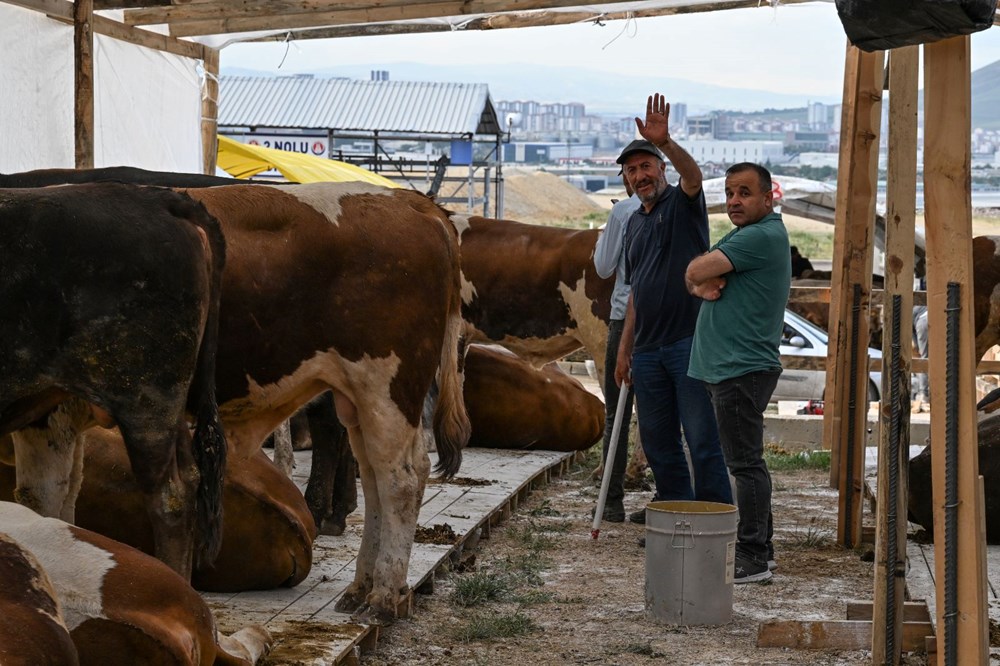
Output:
x=664 y=235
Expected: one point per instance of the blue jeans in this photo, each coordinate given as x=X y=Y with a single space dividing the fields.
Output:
x=616 y=488
x=739 y=407
x=667 y=400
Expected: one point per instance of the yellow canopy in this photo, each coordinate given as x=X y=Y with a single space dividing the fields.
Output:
x=243 y=161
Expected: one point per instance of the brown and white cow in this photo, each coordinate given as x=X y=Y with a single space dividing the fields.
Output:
x=533 y=289
x=110 y=301
x=267 y=536
x=122 y=606
x=33 y=630
x=513 y=405
x=354 y=288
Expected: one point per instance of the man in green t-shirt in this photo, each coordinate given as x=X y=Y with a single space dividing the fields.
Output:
x=744 y=281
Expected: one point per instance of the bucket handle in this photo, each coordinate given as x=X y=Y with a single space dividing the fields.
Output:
x=683 y=532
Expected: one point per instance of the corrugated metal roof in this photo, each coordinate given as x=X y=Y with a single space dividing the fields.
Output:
x=308 y=102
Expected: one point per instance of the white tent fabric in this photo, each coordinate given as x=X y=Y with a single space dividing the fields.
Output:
x=36 y=77
x=147 y=104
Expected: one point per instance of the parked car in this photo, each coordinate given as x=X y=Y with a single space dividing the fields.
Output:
x=803 y=338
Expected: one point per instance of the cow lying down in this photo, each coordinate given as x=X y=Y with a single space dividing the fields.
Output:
x=513 y=405
x=122 y=606
x=267 y=537
x=921 y=501
x=33 y=630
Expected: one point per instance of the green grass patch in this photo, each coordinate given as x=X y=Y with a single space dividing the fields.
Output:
x=481 y=587
x=543 y=510
x=812 y=536
x=785 y=461
x=485 y=627
x=532 y=597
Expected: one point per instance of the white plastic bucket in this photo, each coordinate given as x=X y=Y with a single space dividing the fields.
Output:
x=690 y=555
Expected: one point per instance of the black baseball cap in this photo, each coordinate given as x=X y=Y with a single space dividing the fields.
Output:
x=637 y=146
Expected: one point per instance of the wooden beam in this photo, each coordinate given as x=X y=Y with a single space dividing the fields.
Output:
x=844 y=421
x=913 y=611
x=83 y=83
x=210 y=112
x=833 y=635
x=897 y=341
x=61 y=10
x=822 y=295
x=505 y=21
x=484 y=14
x=792 y=362
x=496 y=21
x=960 y=570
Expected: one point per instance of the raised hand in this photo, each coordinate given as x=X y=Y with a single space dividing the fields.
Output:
x=655 y=129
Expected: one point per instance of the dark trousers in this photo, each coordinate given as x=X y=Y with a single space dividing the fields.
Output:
x=739 y=409
x=616 y=488
x=667 y=400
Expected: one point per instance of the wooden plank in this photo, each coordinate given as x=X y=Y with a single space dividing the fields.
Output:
x=791 y=362
x=913 y=611
x=61 y=10
x=210 y=111
x=834 y=635
x=83 y=83
x=897 y=341
x=225 y=16
x=947 y=211
x=799 y=294
x=844 y=422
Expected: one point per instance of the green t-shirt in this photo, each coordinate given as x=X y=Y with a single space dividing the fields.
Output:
x=740 y=332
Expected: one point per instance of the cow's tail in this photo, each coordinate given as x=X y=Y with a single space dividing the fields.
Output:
x=451 y=420
x=209 y=441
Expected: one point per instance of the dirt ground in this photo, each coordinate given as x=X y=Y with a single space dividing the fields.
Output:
x=582 y=600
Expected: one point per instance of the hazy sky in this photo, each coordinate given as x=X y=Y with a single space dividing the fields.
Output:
x=793 y=49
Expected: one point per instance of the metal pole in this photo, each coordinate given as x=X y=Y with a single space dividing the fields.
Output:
x=609 y=462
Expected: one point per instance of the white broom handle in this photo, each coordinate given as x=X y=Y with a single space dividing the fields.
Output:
x=609 y=461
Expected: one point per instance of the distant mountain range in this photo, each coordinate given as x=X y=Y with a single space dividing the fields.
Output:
x=986 y=96
x=612 y=94
x=602 y=92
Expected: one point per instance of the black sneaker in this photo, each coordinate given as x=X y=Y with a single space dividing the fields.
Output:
x=748 y=571
x=638 y=517
x=614 y=512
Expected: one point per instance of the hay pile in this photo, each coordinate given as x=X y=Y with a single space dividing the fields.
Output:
x=539 y=197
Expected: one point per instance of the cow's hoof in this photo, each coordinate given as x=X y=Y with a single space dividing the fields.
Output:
x=331 y=527
x=350 y=602
x=372 y=615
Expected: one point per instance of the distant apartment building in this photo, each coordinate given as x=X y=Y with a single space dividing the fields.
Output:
x=549 y=118
x=732 y=152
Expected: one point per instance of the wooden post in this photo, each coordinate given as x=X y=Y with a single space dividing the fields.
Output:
x=894 y=433
x=83 y=82
x=962 y=636
x=844 y=421
x=210 y=110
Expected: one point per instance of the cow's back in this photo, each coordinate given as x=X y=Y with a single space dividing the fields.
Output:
x=533 y=289
x=93 y=278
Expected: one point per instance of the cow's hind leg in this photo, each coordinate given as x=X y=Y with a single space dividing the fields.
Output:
x=165 y=470
x=356 y=593
x=400 y=464
x=47 y=458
